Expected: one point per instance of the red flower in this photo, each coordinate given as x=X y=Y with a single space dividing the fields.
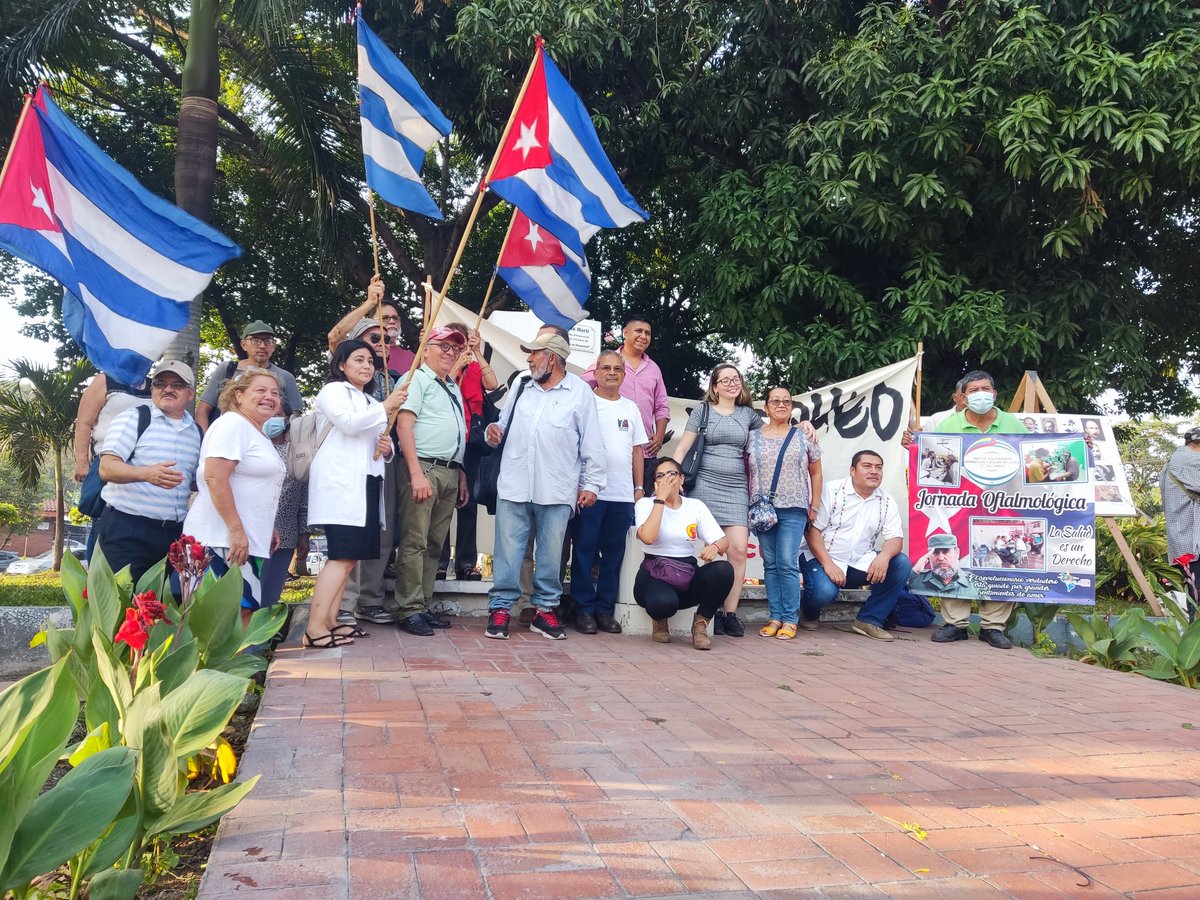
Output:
x=85 y=593
x=187 y=555
x=133 y=631
x=1185 y=560
x=149 y=609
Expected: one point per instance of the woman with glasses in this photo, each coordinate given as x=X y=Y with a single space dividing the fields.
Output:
x=796 y=497
x=672 y=528
x=728 y=419
x=239 y=480
x=345 y=482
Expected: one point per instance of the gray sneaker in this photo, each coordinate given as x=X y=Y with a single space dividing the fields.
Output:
x=866 y=629
x=376 y=614
x=346 y=617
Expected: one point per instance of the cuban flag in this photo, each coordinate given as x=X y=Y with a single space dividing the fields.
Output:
x=129 y=261
x=552 y=167
x=552 y=280
x=399 y=125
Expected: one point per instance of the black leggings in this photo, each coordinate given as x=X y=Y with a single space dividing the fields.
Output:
x=708 y=590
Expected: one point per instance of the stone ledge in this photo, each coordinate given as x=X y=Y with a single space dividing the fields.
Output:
x=18 y=625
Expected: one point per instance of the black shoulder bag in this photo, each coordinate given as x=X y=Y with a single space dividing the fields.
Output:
x=691 y=460
x=489 y=467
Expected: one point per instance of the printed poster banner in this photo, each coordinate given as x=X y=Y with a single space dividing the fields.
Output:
x=1108 y=472
x=1002 y=517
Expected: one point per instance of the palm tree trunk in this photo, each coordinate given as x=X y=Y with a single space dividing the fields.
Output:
x=196 y=147
x=60 y=508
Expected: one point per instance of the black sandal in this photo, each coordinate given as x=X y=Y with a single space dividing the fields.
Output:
x=324 y=641
x=345 y=630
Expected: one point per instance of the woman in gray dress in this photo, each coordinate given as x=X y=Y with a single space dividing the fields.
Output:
x=721 y=482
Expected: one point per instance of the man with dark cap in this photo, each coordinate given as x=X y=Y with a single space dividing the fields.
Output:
x=258 y=342
x=1180 y=486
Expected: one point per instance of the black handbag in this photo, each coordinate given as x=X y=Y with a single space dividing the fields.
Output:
x=488 y=477
x=477 y=435
x=691 y=460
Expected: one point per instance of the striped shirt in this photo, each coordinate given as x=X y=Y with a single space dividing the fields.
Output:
x=165 y=439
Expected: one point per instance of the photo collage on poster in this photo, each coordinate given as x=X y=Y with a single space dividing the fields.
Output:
x=1110 y=485
x=1002 y=517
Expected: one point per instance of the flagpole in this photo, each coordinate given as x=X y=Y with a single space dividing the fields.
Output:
x=428 y=285
x=16 y=134
x=483 y=185
x=492 y=281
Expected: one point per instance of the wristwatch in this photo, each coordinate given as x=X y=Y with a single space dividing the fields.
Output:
x=660 y=500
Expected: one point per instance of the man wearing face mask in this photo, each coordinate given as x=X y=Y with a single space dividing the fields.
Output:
x=979 y=417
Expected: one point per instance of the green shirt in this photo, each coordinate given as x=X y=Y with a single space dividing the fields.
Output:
x=440 y=429
x=1006 y=423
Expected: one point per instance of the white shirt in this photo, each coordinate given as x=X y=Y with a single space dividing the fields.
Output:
x=553 y=449
x=255 y=482
x=853 y=527
x=337 y=480
x=681 y=532
x=621 y=429
x=930 y=423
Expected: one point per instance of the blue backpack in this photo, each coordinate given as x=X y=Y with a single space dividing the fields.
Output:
x=912 y=611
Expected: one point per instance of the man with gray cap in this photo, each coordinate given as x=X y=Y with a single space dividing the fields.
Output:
x=1180 y=486
x=148 y=463
x=553 y=463
x=258 y=343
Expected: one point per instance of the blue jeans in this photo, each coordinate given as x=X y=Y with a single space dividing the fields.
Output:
x=514 y=522
x=781 y=561
x=599 y=531
x=819 y=591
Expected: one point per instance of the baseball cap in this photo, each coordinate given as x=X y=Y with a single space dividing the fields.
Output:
x=363 y=326
x=446 y=333
x=548 y=341
x=943 y=542
x=183 y=370
x=258 y=326
x=1191 y=436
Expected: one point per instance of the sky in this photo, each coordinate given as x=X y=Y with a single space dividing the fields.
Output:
x=15 y=345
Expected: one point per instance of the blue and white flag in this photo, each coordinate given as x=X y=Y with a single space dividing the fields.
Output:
x=552 y=167
x=129 y=261
x=399 y=125
x=551 y=279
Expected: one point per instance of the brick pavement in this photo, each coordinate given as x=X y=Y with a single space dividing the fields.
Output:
x=610 y=766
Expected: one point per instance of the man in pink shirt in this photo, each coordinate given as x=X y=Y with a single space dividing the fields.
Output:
x=643 y=382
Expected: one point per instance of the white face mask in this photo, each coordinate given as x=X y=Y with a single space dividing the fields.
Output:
x=981 y=402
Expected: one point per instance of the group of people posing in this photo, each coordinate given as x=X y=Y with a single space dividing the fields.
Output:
x=579 y=463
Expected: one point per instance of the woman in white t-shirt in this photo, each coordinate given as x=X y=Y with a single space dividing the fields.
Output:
x=238 y=480
x=672 y=528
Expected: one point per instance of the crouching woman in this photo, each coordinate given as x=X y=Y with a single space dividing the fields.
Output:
x=671 y=527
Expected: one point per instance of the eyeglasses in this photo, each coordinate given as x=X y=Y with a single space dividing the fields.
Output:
x=263 y=340
x=164 y=385
x=377 y=339
x=729 y=382
x=452 y=349
x=391 y=318
x=781 y=401
x=659 y=476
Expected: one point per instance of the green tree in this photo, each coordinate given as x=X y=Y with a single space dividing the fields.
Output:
x=37 y=418
x=1012 y=181
x=1145 y=448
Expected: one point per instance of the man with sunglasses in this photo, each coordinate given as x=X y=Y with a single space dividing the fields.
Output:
x=258 y=343
x=148 y=463
x=399 y=358
x=432 y=433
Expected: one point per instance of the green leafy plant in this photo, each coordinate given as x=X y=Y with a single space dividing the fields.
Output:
x=1109 y=642
x=1175 y=642
x=1148 y=542
x=1040 y=615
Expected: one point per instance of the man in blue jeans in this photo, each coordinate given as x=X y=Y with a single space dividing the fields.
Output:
x=552 y=464
x=855 y=540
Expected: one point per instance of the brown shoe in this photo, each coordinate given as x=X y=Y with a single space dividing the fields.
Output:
x=662 y=631
x=872 y=631
x=700 y=639
x=809 y=624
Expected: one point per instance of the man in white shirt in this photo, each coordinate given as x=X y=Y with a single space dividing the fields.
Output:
x=855 y=540
x=553 y=464
x=599 y=531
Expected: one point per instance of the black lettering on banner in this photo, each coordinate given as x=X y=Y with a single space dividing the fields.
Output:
x=849 y=416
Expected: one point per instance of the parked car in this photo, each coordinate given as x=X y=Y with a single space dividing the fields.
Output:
x=43 y=562
x=7 y=557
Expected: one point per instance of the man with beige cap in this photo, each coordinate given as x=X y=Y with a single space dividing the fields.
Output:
x=553 y=463
x=148 y=465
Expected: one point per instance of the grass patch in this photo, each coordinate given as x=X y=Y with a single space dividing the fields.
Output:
x=32 y=590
